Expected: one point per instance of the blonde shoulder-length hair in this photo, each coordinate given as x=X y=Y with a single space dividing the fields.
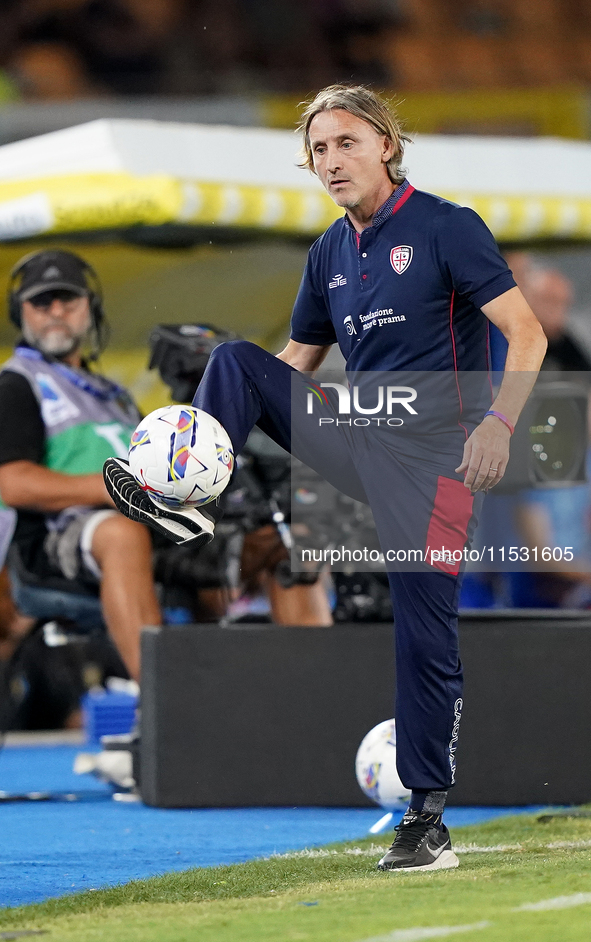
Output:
x=363 y=103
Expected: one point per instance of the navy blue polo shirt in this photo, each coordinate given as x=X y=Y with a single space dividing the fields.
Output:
x=406 y=293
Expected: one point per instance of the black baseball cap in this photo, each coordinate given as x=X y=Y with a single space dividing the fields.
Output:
x=52 y=271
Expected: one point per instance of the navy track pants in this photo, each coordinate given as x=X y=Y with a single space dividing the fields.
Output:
x=244 y=386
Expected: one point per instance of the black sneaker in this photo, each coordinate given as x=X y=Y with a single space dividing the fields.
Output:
x=178 y=524
x=419 y=845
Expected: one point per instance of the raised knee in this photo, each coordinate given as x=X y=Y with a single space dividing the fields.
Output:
x=240 y=350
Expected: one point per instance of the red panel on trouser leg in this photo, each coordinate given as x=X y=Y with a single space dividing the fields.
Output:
x=448 y=526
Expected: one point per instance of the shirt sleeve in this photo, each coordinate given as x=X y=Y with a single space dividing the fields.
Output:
x=472 y=258
x=22 y=431
x=310 y=321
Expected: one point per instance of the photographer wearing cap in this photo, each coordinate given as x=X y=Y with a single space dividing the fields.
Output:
x=58 y=423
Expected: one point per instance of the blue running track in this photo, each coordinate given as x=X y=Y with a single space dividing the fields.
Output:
x=52 y=848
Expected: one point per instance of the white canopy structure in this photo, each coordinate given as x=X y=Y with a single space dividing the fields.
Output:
x=112 y=174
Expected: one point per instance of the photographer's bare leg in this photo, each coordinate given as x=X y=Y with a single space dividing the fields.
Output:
x=303 y=605
x=123 y=550
x=299 y=604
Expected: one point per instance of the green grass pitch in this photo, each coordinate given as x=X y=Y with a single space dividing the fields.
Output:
x=519 y=878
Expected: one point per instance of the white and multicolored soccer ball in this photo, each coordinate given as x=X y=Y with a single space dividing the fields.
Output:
x=375 y=767
x=181 y=455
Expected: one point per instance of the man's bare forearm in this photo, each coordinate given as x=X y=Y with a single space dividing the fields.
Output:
x=486 y=451
x=524 y=358
x=25 y=485
x=527 y=347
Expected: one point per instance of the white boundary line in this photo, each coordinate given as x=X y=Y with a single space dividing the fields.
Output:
x=558 y=902
x=378 y=849
x=426 y=932
x=417 y=933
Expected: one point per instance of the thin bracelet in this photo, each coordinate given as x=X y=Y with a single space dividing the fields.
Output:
x=503 y=419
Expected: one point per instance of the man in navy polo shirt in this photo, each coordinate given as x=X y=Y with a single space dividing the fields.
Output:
x=405 y=281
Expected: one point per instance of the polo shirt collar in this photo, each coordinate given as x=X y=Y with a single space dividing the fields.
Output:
x=385 y=210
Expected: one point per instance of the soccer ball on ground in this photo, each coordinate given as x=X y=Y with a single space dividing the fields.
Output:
x=181 y=456
x=375 y=767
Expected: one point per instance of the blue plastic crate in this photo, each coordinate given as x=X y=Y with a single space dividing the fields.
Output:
x=108 y=713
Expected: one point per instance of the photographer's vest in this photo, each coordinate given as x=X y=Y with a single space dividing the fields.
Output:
x=87 y=417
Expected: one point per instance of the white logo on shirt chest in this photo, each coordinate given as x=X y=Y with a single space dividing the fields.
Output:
x=337 y=281
x=400 y=258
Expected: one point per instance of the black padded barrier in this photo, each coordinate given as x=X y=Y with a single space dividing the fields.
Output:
x=257 y=715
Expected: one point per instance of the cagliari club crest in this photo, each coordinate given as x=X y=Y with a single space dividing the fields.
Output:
x=400 y=258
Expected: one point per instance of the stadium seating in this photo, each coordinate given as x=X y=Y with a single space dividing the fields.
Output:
x=523 y=43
